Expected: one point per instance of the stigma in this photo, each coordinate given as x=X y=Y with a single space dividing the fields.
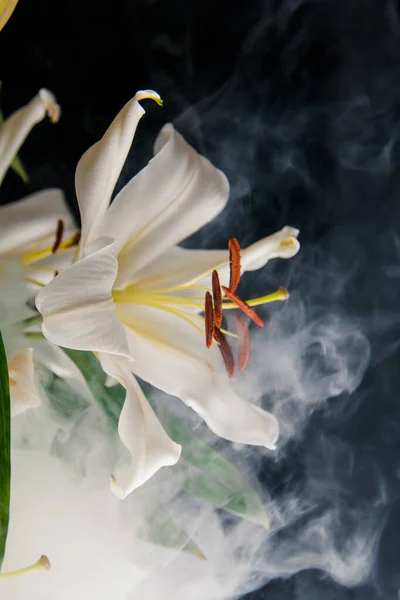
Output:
x=43 y=564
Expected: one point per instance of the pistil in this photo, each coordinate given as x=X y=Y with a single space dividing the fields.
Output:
x=43 y=564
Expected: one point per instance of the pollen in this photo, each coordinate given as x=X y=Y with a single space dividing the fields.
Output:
x=244 y=341
x=74 y=241
x=250 y=312
x=59 y=235
x=216 y=303
x=226 y=351
x=234 y=262
x=209 y=319
x=217 y=298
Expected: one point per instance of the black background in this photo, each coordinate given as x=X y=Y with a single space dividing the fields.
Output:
x=298 y=102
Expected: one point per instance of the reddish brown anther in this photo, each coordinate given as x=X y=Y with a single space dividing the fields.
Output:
x=217 y=297
x=209 y=319
x=234 y=261
x=226 y=351
x=250 y=312
x=244 y=341
x=59 y=235
x=75 y=240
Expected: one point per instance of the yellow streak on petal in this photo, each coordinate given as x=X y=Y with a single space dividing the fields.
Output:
x=6 y=10
x=290 y=241
x=148 y=95
x=34 y=255
x=53 y=109
x=34 y=282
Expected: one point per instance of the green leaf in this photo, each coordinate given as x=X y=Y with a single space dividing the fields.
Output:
x=64 y=400
x=5 y=452
x=19 y=169
x=164 y=530
x=206 y=473
x=110 y=403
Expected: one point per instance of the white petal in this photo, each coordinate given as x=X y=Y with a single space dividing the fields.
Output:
x=171 y=355
x=77 y=306
x=16 y=128
x=99 y=168
x=175 y=195
x=27 y=221
x=140 y=431
x=178 y=265
x=23 y=389
x=282 y=244
x=44 y=271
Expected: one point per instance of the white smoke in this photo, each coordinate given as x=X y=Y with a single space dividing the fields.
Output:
x=62 y=506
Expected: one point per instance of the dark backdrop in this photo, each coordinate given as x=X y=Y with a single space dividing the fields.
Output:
x=298 y=102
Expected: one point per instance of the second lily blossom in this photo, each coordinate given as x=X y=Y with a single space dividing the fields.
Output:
x=136 y=298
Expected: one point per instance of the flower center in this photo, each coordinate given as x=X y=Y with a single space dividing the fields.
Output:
x=187 y=301
x=48 y=245
x=45 y=247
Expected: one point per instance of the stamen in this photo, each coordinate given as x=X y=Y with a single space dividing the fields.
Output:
x=280 y=294
x=244 y=307
x=11 y=381
x=35 y=254
x=74 y=241
x=34 y=282
x=209 y=319
x=43 y=564
x=59 y=234
x=234 y=261
x=226 y=351
x=244 y=341
x=217 y=297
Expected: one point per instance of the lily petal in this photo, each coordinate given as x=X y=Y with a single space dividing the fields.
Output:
x=16 y=128
x=140 y=431
x=175 y=195
x=77 y=306
x=23 y=389
x=99 y=168
x=282 y=244
x=171 y=355
x=179 y=265
x=29 y=220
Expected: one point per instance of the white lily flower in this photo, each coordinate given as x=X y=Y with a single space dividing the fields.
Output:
x=133 y=294
x=16 y=128
x=30 y=229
